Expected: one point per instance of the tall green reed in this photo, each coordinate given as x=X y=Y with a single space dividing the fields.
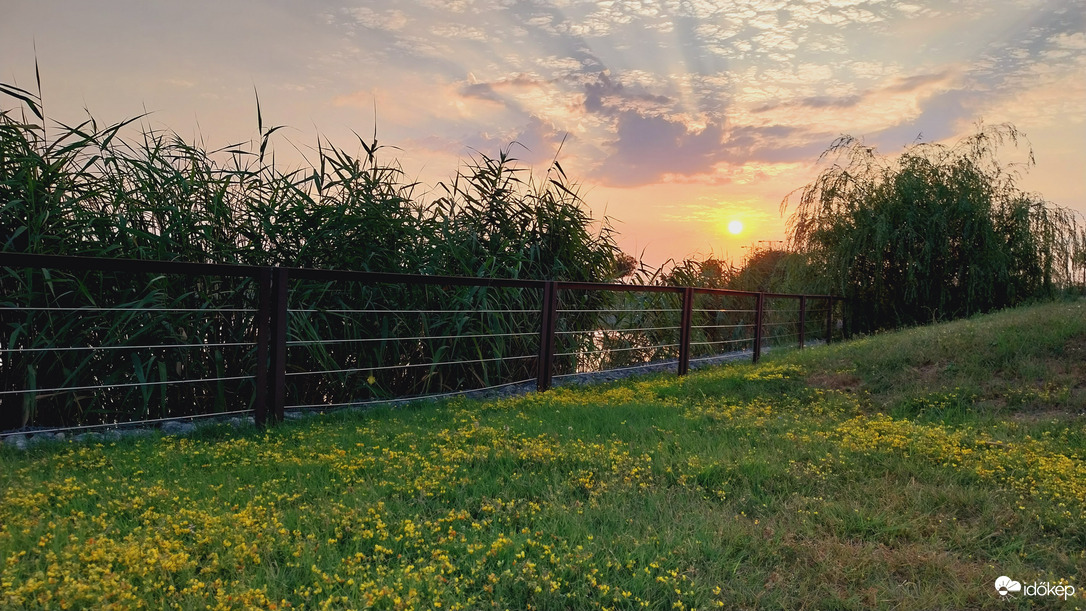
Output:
x=125 y=190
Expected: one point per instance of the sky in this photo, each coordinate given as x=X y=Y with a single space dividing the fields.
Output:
x=676 y=117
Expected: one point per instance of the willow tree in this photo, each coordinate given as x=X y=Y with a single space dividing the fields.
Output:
x=936 y=233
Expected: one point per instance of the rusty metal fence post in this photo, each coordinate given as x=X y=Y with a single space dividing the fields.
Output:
x=685 y=323
x=829 y=319
x=278 y=343
x=802 y=319
x=548 y=312
x=263 y=339
x=758 y=326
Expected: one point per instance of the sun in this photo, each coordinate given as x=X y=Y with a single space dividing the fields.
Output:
x=735 y=227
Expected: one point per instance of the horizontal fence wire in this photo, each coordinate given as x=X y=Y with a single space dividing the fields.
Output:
x=124 y=309
x=630 y=368
x=473 y=311
x=723 y=341
x=390 y=367
x=145 y=347
x=416 y=340
x=718 y=357
x=67 y=389
x=369 y=402
x=594 y=331
x=413 y=338
x=609 y=350
x=95 y=345
x=609 y=310
x=727 y=342
x=598 y=331
x=747 y=340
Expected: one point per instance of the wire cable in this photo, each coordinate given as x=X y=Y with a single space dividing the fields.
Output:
x=421 y=337
x=68 y=389
x=149 y=347
x=388 y=367
x=408 y=399
x=606 y=350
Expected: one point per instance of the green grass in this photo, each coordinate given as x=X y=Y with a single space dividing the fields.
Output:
x=902 y=471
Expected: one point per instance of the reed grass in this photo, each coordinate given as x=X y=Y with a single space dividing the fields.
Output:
x=125 y=190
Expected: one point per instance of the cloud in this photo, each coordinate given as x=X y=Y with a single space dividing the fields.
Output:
x=710 y=86
x=480 y=91
x=897 y=87
x=492 y=91
x=453 y=6
x=379 y=20
x=816 y=102
x=925 y=102
x=908 y=84
x=534 y=142
x=646 y=148
x=943 y=116
x=454 y=30
x=1065 y=40
x=772 y=144
x=609 y=98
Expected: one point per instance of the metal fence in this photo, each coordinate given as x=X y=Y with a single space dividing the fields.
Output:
x=101 y=342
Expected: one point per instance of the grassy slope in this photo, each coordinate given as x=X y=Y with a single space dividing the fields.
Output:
x=906 y=470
